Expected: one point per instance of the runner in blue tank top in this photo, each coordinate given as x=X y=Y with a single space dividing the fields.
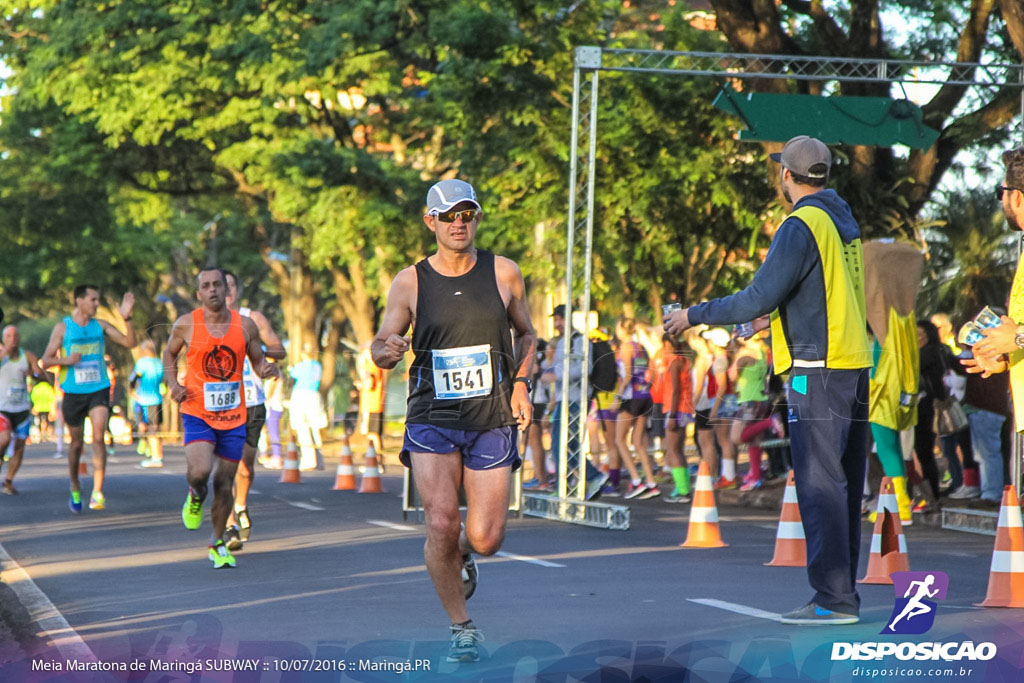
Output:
x=79 y=339
x=468 y=388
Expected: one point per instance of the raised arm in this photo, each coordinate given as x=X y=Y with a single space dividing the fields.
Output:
x=390 y=344
x=125 y=310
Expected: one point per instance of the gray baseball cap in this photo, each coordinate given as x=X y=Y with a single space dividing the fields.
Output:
x=803 y=153
x=444 y=195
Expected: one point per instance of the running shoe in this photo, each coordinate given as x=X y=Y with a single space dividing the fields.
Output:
x=676 y=497
x=464 y=644
x=610 y=491
x=244 y=524
x=651 y=492
x=152 y=462
x=751 y=485
x=232 y=539
x=75 y=502
x=220 y=556
x=635 y=491
x=470 y=575
x=97 y=501
x=8 y=488
x=192 y=512
x=535 y=484
x=724 y=483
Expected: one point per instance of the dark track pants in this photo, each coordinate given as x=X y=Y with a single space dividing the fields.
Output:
x=828 y=430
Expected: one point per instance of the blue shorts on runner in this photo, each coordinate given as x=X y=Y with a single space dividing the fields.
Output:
x=481 y=450
x=227 y=443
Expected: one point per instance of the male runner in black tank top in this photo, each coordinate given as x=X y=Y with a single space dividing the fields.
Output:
x=468 y=389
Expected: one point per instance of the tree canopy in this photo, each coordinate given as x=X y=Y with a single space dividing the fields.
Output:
x=294 y=142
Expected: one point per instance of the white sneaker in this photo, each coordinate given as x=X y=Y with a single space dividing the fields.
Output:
x=965 y=491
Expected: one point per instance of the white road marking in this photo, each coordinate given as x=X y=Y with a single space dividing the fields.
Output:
x=527 y=558
x=391 y=525
x=301 y=505
x=738 y=609
x=50 y=621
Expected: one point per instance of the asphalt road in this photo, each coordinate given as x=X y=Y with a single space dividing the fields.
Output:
x=332 y=579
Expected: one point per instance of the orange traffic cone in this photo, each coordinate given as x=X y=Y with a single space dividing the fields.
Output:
x=345 y=480
x=1006 y=578
x=703 y=531
x=290 y=472
x=888 y=544
x=371 y=475
x=82 y=467
x=790 y=543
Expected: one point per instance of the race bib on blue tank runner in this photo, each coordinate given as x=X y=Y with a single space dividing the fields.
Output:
x=463 y=372
x=88 y=372
x=219 y=396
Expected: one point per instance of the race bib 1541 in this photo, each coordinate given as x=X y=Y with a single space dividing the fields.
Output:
x=463 y=372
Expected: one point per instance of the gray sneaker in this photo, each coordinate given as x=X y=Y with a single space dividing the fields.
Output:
x=464 y=644
x=812 y=613
x=964 y=491
x=470 y=575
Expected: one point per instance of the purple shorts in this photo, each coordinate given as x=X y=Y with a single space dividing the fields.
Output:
x=481 y=450
x=227 y=443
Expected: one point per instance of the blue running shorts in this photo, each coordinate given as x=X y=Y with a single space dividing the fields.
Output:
x=481 y=450
x=227 y=443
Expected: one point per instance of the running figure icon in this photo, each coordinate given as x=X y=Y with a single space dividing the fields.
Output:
x=915 y=606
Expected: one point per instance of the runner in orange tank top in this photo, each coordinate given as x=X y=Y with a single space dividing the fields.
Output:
x=212 y=400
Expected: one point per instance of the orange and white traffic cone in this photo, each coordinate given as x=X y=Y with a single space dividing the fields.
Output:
x=1006 y=577
x=790 y=542
x=703 y=530
x=888 y=544
x=290 y=472
x=345 y=479
x=371 y=475
x=82 y=467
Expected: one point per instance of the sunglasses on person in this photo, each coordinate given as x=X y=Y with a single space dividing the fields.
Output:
x=1000 y=189
x=467 y=215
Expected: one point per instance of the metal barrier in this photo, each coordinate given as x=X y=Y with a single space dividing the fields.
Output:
x=586 y=513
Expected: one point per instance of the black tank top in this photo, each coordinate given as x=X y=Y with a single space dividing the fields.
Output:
x=461 y=377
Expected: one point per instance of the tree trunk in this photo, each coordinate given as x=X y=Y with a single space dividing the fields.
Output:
x=295 y=284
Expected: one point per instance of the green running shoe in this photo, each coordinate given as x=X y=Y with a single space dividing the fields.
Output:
x=220 y=556
x=192 y=512
x=75 y=502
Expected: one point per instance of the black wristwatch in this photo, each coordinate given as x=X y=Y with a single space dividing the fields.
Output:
x=526 y=381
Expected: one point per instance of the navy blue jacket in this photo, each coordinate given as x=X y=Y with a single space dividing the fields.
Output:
x=790 y=279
